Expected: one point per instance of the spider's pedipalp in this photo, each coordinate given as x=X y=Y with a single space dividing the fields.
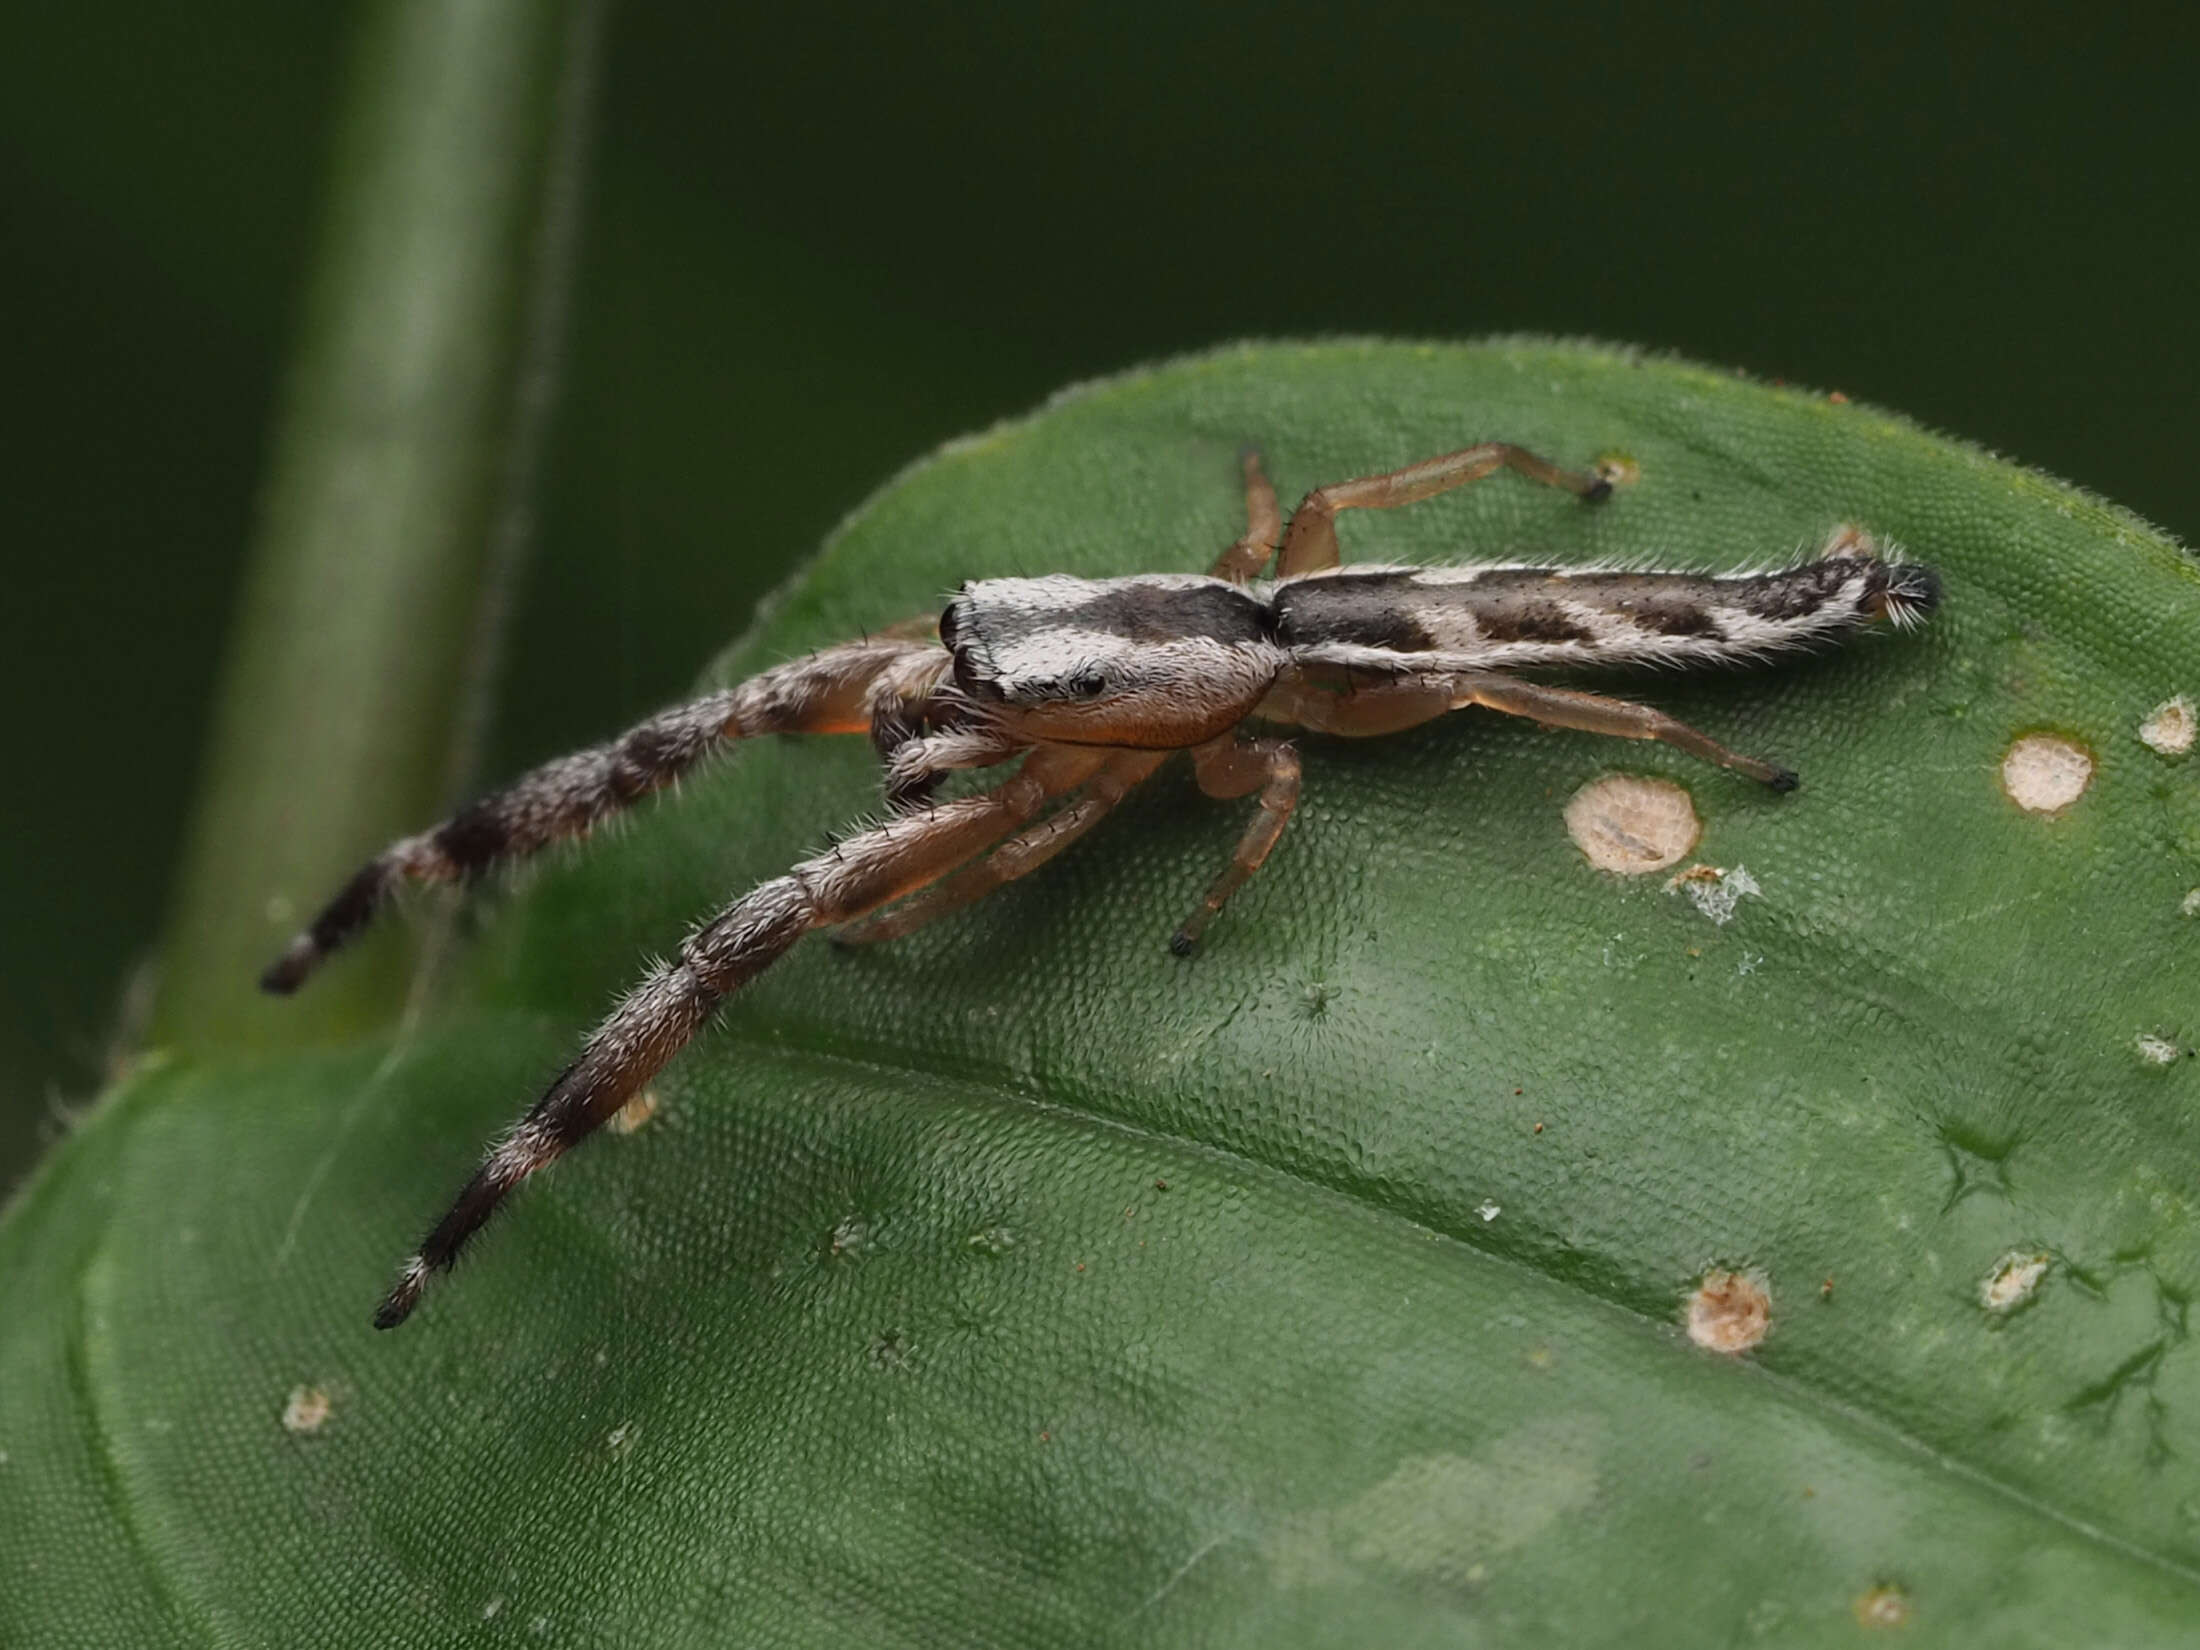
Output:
x=828 y=692
x=918 y=763
x=659 y=1016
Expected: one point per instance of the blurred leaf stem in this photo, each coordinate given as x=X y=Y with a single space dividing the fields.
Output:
x=396 y=510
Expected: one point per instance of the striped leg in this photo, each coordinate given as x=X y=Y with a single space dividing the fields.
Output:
x=1018 y=857
x=670 y=1005
x=1311 y=542
x=829 y=692
x=1229 y=768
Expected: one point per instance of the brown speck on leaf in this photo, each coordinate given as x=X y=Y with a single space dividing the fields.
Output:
x=1539 y=1128
x=1825 y=1290
x=1729 y=1311
x=1837 y=398
x=1161 y=1185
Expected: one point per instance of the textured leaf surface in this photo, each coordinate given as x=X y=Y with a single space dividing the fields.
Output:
x=1021 y=1284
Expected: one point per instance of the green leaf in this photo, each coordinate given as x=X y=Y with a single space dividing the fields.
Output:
x=1020 y=1283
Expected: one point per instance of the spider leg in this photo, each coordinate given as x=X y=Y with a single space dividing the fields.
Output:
x=828 y=692
x=1263 y=523
x=1310 y=544
x=1019 y=856
x=1415 y=696
x=670 y=1005
x=1595 y=713
x=1229 y=767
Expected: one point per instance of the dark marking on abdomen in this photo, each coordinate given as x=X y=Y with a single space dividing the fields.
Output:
x=1357 y=609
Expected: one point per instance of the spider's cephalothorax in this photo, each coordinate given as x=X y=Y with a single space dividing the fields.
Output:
x=1094 y=683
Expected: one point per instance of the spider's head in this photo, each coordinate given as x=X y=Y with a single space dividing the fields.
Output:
x=1156 y=662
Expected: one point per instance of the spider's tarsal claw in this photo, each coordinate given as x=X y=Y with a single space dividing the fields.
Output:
x=1598 y=490
x=1784 y=779
x=404 y=1295
x=1183 y=943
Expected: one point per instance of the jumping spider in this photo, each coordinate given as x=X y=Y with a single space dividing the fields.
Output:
x=1095 y=683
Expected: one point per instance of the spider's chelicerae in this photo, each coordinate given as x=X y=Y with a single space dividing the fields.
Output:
x=1094 y=683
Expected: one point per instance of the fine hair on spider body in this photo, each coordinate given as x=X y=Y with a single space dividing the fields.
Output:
x=1089 y=685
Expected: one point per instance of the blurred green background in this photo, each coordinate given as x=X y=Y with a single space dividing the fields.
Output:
x=819 y=240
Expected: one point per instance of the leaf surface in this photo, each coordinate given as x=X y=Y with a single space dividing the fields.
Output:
x=1020 y=1283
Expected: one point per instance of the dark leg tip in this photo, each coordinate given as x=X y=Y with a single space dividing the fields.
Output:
x=1599 y=490
x=288 y=972
x=398 y=1304
x=1784 y=779
x=1183 y=943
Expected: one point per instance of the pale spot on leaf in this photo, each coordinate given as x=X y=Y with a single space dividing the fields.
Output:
x=1632 y=825
x=306 y=1410
x=2011 y=1283
x=2169 y=727
x=1729 y=1311
x=2044 y=773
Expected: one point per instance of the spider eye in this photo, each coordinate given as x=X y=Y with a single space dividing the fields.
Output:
x=1088 y=684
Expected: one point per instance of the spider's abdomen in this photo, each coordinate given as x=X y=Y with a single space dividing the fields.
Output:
x=1512 y=617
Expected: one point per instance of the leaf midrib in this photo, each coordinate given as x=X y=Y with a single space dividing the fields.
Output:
x=1869 y=1419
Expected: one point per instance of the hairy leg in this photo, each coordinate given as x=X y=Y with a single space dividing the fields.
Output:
x=1311 y=542
x=828 y=692
x=660 y=1015
x=1244 y=559
x=1021 y=855
x=1227 y=768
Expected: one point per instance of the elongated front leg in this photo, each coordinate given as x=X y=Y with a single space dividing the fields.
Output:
x=1230 y=768
x=1244 y=559
x=1021 y=855
x=1310 y=543
x=662 y=1013
x=1622 y=719
x=828 y=692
